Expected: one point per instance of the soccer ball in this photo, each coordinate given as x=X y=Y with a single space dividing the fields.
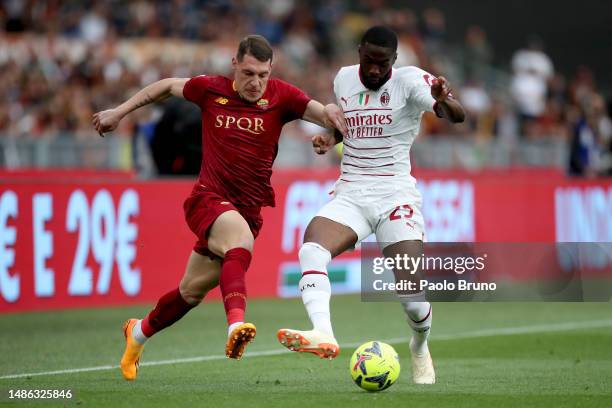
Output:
x=375 y=366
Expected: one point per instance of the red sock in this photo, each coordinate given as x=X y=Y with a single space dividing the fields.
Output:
x=233 y=285
x=170 y=308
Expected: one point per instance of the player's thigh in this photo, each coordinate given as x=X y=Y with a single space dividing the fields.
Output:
x=400 y=232
x=230 y=230
x=331 y=235
x=338 y=226
x=201 y=275
x=402 y=221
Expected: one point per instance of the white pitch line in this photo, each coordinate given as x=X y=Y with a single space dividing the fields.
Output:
x=503 y=331
x=509 y=331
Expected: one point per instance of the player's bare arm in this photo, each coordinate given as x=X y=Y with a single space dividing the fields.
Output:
x=446 y=106
x=108 y=120
x=329 y=116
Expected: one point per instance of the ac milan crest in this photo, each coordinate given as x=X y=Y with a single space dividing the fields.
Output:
x=385 y=98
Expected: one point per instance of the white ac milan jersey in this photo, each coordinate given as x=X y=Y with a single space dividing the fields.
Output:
x=382 y=126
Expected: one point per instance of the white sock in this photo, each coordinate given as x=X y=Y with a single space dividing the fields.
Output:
x=316 y=292
x=137 y=333
x=419 y=318
x=232 y=326
x=315 y=286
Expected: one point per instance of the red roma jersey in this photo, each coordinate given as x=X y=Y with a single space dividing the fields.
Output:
x=240 y=138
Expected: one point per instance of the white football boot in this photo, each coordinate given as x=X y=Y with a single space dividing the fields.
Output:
x=422 y=369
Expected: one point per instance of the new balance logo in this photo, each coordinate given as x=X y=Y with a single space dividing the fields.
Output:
x=221 y=100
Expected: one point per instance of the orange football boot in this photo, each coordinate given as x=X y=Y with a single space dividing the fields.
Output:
x=310 y=341
x=238 y=340
x=132 y=353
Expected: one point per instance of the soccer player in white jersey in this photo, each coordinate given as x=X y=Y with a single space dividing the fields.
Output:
x=375 y=192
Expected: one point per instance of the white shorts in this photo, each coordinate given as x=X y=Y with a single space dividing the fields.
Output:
x=393 y=216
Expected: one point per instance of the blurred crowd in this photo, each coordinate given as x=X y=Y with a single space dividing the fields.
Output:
x=60 y=61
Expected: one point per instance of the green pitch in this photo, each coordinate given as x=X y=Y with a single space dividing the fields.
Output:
x=486 y=354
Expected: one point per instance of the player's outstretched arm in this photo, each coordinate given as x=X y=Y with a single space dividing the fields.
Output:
x=108 y=120
x=329 y=116
x=446 y=106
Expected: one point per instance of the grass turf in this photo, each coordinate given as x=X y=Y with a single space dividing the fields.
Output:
x=565 y=368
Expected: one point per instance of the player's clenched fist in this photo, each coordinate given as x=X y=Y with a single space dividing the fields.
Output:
x=323 y=142
x=440 y=89
x=106 y=121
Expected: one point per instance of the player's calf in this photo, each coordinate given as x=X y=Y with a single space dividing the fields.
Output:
x=419 y=316
x=315 y=286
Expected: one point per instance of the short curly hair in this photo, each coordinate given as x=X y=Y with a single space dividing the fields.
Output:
x=381 y=36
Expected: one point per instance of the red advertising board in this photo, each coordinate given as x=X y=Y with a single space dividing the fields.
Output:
x=70 y=241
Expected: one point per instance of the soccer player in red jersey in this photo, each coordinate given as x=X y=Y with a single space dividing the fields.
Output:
x=241 y=124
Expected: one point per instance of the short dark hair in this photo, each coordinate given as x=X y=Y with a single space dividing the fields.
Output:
x=381 y=36
x=257 y=46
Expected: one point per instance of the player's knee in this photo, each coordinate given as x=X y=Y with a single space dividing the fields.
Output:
x=245 y=242
x=194 y=292
x=314 y=257
x=230 y=231
x=192 y=296
x=242 y=239
x=195 y=289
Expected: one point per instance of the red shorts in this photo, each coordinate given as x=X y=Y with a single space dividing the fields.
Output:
x=203 y=207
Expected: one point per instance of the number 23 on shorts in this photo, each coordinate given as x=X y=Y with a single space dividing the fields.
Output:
x=407 y=214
